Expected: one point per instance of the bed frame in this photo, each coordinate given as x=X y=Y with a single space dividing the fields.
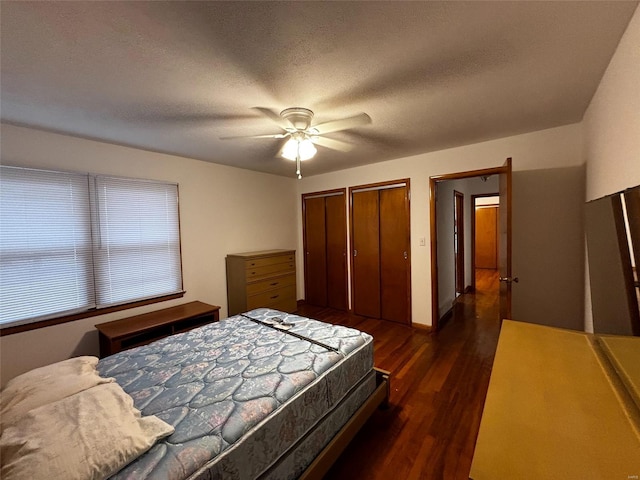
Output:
x=327 y=457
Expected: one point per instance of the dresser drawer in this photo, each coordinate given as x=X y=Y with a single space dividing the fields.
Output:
x=270 y=284
x=264 y=278
x=270 y=270
x=263 y=262
x=272 y=297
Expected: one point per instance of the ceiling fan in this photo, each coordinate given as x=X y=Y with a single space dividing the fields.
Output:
x=301 y=135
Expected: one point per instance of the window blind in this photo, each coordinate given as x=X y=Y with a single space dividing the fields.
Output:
x=71 y=242
x=45 y=244
x=137 y=240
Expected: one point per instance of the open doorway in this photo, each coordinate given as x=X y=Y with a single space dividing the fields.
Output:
x=447 y=208
x=485 y=232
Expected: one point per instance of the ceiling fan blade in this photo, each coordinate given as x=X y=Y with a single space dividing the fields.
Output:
x=343 y=124
x=276 y=135
x=331 y=143
x=281 y=122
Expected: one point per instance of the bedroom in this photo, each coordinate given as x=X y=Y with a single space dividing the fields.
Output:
x=592 y=156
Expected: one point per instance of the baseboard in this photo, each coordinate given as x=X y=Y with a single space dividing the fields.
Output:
x=424 y=328
x=445 y=317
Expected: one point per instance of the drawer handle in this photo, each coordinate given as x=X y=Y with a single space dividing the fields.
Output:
x=274 y=284
x=274 y=297
x=252 y=273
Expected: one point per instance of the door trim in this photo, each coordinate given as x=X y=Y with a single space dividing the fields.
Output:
x=433 y=181
x=458 y=222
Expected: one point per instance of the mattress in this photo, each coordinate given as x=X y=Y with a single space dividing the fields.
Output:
x=243 y=392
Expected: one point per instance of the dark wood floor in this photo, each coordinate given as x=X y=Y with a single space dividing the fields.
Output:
x=438 y=386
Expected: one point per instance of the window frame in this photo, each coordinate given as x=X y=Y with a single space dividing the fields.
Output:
x=95 y=310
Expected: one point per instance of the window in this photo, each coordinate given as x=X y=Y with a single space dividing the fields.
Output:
x=71 y=243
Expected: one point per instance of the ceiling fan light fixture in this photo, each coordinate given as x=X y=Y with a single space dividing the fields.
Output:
x=299 y=147
x=296 y=125
x=307 y=149
x=290 y=149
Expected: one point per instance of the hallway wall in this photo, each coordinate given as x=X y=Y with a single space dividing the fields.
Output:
x=446 y=253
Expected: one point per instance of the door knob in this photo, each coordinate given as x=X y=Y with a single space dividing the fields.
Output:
x=509 y=279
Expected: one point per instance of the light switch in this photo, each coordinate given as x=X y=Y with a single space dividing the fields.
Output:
x=423 y=241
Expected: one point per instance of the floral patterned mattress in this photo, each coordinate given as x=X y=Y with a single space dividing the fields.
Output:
x=240 y=392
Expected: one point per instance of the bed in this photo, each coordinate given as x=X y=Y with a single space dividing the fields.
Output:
x=263 y=394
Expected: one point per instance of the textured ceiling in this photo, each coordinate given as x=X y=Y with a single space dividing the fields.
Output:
x=174 y=77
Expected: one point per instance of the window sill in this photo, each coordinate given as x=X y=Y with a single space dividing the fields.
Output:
x=88 y=314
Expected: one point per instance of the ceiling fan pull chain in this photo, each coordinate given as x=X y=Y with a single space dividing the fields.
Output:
x=298 y=163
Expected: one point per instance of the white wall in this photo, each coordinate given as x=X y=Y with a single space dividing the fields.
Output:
x=612 y=128
x=222 y=210
x=612 y=121
x=547 y=149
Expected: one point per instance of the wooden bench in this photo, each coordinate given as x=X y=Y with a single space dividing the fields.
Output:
x=143 y=329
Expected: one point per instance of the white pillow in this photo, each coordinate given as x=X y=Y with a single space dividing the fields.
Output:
x=89 y=435
x=47 y=384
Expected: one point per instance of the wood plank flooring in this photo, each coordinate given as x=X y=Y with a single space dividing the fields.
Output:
x=438 y=386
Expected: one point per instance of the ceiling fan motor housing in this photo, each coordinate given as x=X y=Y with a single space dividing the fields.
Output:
x=299 y=117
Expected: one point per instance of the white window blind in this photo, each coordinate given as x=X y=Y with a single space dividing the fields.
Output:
x=72 y=242
x=45 y=244
x=137 y=240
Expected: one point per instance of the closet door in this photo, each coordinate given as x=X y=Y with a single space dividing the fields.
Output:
x=336 y=251
x=486 y=241
x=365 y=214
x=394 y=254
x=315 y=260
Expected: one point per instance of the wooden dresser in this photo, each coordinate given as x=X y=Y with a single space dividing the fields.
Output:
x=560 y=404
x=261 y=279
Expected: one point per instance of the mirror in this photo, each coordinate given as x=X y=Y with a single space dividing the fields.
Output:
x=613 y=243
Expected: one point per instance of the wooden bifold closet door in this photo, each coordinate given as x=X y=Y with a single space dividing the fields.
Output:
x=365 y=215
x=486 y=241
x=325 y=243
x=380 y=255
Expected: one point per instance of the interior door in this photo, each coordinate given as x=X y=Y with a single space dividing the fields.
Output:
x=336 y=231
x=504 y=241
x=315 y=259
x=486 y=241
x=365 y=215
x=394 y=254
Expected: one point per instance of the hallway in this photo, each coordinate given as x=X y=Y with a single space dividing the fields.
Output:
x=438 y=386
